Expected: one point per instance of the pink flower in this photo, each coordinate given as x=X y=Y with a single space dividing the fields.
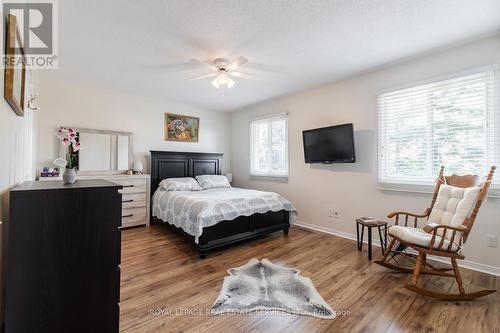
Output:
x=69 y=136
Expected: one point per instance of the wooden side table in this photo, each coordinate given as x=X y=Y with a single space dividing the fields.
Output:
x=370 y=225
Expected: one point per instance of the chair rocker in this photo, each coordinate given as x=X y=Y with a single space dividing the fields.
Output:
x=453 y=210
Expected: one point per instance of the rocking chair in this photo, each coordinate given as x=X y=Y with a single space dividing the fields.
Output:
x=454 y=207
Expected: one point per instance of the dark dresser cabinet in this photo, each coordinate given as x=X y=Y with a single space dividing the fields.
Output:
x=63 y=257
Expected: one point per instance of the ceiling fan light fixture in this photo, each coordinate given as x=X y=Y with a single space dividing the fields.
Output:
x=222 y=78
x=224 y=72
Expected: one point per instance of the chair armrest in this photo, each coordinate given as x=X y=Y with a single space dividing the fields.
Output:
x=434 y=228
x=392 y=214
x=407 y=215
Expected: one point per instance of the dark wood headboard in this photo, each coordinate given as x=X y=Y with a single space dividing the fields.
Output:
x=170 y=164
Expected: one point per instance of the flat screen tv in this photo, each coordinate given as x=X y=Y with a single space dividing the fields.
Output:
x=334 y=144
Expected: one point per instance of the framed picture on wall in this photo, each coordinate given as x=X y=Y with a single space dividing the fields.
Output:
x=15 y=68
x=181 y=128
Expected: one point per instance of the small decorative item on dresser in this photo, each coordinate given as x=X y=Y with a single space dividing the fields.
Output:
x=69 y=137
x=138 y=168
x=60 y=162
x=69 y=176
x=49 y=172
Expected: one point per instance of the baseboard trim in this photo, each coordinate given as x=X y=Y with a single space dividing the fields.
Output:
x=474 y=266
x=334 y=232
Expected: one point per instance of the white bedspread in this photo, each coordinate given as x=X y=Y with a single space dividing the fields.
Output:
x=194 y=210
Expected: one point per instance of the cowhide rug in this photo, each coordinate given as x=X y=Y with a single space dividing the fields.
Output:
x=265 y=287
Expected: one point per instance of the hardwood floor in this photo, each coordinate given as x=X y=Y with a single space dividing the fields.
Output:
x=163 y=278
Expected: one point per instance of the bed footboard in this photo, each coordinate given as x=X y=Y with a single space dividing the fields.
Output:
x=242 y=228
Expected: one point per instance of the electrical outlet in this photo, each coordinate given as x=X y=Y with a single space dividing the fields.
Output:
x=491 y=240
x=333 y=212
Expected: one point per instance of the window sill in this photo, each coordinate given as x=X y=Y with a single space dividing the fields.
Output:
x=425 y=189
x=282 y=179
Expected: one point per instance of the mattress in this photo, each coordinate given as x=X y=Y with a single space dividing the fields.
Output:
x=194 y=210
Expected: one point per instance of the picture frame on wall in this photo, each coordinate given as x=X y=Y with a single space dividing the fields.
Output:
x=15 y=68
x=181 y=128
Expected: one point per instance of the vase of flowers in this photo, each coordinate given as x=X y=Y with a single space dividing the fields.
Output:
x=69 y=176
x=70 y=139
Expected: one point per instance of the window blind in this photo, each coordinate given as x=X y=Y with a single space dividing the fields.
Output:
x=269 y=146
x=452 y=122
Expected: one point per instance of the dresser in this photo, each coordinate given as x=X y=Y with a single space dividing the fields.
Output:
x=136 y=196
x=63 y=257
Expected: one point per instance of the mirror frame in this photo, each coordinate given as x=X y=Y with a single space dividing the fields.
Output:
x=62 y=150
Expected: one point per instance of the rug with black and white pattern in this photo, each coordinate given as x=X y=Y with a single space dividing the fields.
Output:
x=261 y=286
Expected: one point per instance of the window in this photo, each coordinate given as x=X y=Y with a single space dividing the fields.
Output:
x=453 y=122
x=269 y=146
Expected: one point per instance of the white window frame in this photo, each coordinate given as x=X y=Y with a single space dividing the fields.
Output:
x=386 y=184
x=265 y=175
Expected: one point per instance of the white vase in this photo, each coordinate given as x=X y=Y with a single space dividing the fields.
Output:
x=69 y=176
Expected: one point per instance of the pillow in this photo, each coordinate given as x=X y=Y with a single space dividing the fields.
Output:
x=213 y=181
x=453 y=205
x=180 y=184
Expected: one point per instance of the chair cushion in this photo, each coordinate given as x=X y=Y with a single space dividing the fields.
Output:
x=453 y=205
x=419 y=237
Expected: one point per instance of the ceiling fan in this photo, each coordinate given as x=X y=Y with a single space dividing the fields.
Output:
x=224 y=70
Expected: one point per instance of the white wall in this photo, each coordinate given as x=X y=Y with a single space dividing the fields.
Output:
x=14 y=153
x=16 y=162
x=73 y=104
x=352 y=188
x=12 y=149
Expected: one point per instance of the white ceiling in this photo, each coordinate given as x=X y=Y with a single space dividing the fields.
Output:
x=137 y=46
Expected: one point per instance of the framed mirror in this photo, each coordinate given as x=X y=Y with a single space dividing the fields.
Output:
x=102 y=151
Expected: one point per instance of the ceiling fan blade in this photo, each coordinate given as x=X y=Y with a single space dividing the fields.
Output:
x=238 y=62
x=264 y=68
x=247 y=76
x=171 y=67
x=203 y=63
x=201 y=77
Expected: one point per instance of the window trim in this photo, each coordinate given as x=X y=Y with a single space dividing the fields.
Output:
x=424 y=186
x=423 y=189
x=455 y=75
x=268 y=176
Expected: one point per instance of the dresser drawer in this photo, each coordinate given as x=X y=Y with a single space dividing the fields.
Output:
x=134 y=200
x=131 y=186
x=133 y=216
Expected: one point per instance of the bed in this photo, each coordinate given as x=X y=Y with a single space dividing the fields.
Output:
x=166 y=164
